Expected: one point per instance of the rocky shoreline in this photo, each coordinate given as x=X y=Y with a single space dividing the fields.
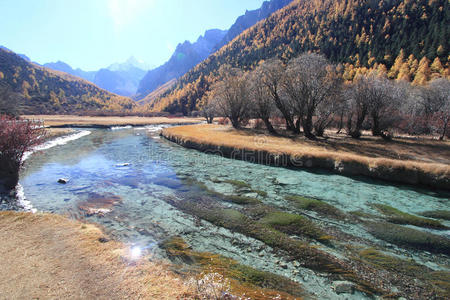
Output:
x=397 y=174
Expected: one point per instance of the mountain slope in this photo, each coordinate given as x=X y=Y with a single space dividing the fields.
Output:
x=47 y=91
x=21 y=55
x=186 y=56
x=360 y=33
x=249 y=19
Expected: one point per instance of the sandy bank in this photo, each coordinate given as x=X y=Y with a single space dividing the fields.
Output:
x=104 y=122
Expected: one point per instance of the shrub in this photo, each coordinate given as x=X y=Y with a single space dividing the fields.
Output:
x=223 y=121
x=16 y=137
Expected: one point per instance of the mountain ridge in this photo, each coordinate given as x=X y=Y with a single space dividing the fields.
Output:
x=185 y=56
x=158 y=77
x=250 y=18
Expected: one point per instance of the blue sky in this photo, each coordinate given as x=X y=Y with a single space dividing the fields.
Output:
x=91 y=34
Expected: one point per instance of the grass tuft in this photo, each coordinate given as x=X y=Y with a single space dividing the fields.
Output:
x=237 y=183
x=408 y=237
x=438 y=279
x=437 y=214
x=240 y=199
x=397 y=216
x=294 y=224
x=244 y=279
x=316 y=205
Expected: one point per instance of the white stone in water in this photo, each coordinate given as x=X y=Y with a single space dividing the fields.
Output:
x=122 y=165
x=63 y=180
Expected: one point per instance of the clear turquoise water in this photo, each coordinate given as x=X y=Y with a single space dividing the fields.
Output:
x=158 y=170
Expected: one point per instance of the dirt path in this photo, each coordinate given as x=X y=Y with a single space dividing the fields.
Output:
x=44 y=256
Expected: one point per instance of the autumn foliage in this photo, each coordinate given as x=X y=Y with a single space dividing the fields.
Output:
x=17 y=136
x=406 y=39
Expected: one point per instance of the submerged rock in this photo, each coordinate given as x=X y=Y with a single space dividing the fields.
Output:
x=343 y=287
x=99 y=204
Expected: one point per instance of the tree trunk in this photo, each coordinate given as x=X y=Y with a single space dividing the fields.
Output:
x=341 y=122
x=269 y=126
x=444 y=130
x=289 y=122
x=376 y=131
x=356 y=132
x=308 y=127
x=9 y=173
x=235 y=122
x=296 y=129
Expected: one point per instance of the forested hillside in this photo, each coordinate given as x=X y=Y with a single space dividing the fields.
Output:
x=407 y=39
x=40 y=90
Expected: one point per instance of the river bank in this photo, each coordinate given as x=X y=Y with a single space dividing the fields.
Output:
x=402 y=161
x=49 y=256
x=68 y=121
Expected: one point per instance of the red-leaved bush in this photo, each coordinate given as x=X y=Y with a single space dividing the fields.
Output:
x=16 y=137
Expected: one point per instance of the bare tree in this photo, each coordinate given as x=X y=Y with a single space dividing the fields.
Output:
x=373 y=96
x=209 y=111
x=309 y=81
x=231 y=94
x=358 y=106
x=272 y=73
x=435 y=102
x=383 y=96
x=262 y=100
x=326 y=110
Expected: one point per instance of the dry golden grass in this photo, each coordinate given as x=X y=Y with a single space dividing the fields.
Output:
x=45 y=256
x=73 y=120
x=430 y=156
x=52 y=133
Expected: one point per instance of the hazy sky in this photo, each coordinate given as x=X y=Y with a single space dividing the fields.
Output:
x=91 y=34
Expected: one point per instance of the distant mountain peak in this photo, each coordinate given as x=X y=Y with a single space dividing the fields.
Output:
x=130 y=63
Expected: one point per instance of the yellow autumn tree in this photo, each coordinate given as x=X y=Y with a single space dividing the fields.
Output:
x=423 y=72
x=399 y=61
x=403 y=73
x=436 y=66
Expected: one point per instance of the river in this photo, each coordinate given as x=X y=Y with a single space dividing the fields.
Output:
x=139 y=175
